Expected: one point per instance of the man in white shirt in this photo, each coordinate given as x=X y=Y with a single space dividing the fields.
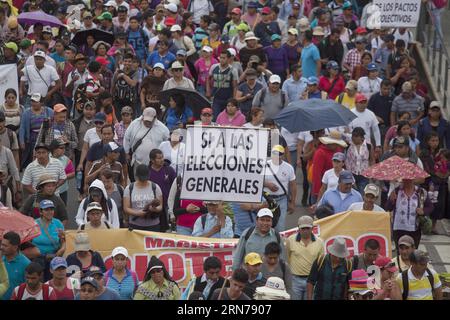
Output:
x=200 y=8
x=43 y=46
x=370 y=84
x=371 y=193
x=280 y=183
x=367 y=120
x=40 y=78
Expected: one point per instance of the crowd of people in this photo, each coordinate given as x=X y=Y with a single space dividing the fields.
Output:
x=94 y=112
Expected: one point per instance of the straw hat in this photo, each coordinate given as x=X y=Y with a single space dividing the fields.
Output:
x=334 y=137
x=273 y=290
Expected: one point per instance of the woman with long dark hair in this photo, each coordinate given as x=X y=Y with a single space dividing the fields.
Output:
x=178 y=114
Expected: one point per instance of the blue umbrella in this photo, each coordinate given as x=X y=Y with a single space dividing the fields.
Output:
x=313 y=114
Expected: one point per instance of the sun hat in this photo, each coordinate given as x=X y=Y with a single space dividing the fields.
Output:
x=334 y=137
x=293 y=31
x=46 y=178
x=339 y=248
x=303 y=24
x=253 y=258
x=250 y=36
x=305 y=222
x=318 y=31
x=273 y=290
x=372 y=189
x=120 y=250
x=264 y=212
x=82 y=242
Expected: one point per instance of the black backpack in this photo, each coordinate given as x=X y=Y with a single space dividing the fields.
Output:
x=405 y=283
x=123 y=91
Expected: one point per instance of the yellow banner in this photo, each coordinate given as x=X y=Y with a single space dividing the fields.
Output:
x=184 y=256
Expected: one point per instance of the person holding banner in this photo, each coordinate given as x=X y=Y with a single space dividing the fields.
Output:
x=280 y=182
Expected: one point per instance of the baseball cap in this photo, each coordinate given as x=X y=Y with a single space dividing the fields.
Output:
x=346 y=177
x=252 y=259
x=352 y=85
x=207 y=49
x=265 y=10
x=159 y=65
x=236 y=11
x=87 y=14
x=12 y=46
x=389 y=37
x=346 y=5
x=372 y=189
x=435 y=104
x=122 y=9
x=251 y=74
x=360 y=30
x=360 y=97
x=45 y=204
x=305 y=222
x=95 y=270
x=40 y=54
x=211 y=202
x=89 y=280
x=296 y=5
x=339 y=21
x=279 y=149
x=175 y=27
x=360 y=39
x=177 y=65
x=385 y=263
x=304 y=24
x=112 y=147
x=41 y=146
x=264 y=212
x=120 y=250
x=149 y=114
x=312 y=80
x=100 y=117
x=406 y=241
x=275 y=37
x=250 y=36
x=207 y=110
x=57 y=143
x=214 y=26
x=47 y=29
x=406 y=86
x=25 y=43
x=232 y=51
x=58 y=262
x=111 y=3
x=126 y=109
x=182 y=52
x=105 y=16
x=59 y=107
x=243 y=27
x=275 y=79
x=333 y=65
x=318 y=31
x=36 y=97
x=372 y=67
x=172 y=7
x=293 y=31
x=103 y=61
x=93 y=206
x=339 y=156
x=401 y=141
x=12 y=22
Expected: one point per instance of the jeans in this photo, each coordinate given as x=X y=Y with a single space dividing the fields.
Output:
x=360 y=182
x=437 y=14
x=217 y=106
x=298 y=288
x=283 y=203
x=185 y=231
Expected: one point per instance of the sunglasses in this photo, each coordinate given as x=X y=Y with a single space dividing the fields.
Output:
x=206 y=115
x=156 y=271
x=177 y=70
x=98 y=123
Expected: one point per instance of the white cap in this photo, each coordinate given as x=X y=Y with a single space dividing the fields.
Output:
x=177 y=65
x=176 y=2
x=207 y=49
x=94 y=206
x=119 y=250
x=264 y=212
x=111 y=3
x=172 y=7
x=149 y=114
x=36 y=97
x=74 y=24
x=275 y=79
x=232 y=51
x=175 y=27
x=159 y=65
x=47 y=29
x=40 y=53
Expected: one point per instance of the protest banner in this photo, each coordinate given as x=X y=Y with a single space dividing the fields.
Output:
x=393 y=14
x=224 y=163
x=8 y=79
x=184 y=256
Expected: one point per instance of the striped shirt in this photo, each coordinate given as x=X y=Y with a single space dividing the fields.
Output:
x=35 y=170
x=420 y=289
x=124 y=288
x=413 y=106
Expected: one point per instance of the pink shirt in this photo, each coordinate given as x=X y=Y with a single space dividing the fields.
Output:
x=203 y=70
x=237 y=121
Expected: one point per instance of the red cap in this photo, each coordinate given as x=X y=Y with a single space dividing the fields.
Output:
x=236 y=11
x=59 y=107
x=102 y=61
x=265 y=10
x=207 y=110
x=170 y=21
x=360 y=30
x=360 y=97
x=386 y=263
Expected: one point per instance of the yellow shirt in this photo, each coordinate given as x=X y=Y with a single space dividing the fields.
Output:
x=150 y=291
x=301 y=257
x=214 y=44
x=420 y=289
x=347 y=101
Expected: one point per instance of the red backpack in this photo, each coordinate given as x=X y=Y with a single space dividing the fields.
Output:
x=439 y=4
x=45 y=291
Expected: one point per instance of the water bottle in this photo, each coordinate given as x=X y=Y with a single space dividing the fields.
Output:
x=79 y=179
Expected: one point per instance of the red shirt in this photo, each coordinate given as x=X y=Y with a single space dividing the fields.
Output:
x=65 y=294
x=322 y=161
x=326 y=85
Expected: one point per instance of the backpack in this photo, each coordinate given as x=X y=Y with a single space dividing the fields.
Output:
x=321 y=260
x=439 y=4
x=83 y=226
x=249 y=233
x=123 y=91
x=405 y=282
x=153 y=189
x=80 y=93
x=45 y=291
x=263 y=96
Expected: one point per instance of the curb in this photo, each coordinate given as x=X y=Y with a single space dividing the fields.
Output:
x=445 y=223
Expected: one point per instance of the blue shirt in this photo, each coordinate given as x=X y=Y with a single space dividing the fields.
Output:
x=43 y=242
x=139 y=43
x=124 y=288
x=243 y=219
x=166 y=60
x=173 y=119
x=109 y=294
x=294 y=89
x=310 y=55
x=333 y=198
x=211 y=221
x=16 y=273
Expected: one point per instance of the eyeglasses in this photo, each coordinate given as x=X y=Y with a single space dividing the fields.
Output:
x=177 y=70
x=98 y=123
x=156 y=271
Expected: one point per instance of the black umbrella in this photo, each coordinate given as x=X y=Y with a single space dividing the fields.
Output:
x=313 y=114
x=99 y=35
x=193 y=99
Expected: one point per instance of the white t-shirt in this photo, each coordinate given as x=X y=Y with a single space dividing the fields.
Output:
x=369 y=87
x=359 y=206
x=27 y=295
x=284 y=172
x=39 y=81
x=291 y=139
x=368 y=121
x=175 y=156
x=200 y=8
x=91 y=137
x=330 y=179
x=305 y=136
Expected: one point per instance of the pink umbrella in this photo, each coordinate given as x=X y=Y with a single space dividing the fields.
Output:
x=13 y=220
x=395 y=168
